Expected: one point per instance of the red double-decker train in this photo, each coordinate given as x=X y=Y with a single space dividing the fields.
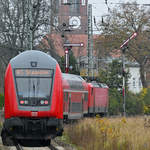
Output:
x=38 y=98
x=75 y=91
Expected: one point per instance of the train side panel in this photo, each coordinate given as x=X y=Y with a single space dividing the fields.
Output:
x=101 y=100
x=97 y=99
x=10 y=94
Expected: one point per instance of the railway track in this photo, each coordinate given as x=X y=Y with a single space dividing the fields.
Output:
x=19 y=147
x=51 y=147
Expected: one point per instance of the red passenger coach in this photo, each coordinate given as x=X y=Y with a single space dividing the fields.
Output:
x=33 y=100
x=75 y=91
x=98 y=99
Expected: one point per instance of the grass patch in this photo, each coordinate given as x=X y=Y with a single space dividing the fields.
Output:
x=110 y=134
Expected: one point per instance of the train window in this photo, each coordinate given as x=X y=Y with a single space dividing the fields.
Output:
x=75 y=84
x=65 y=96
x=86 y=97
x=33 y=73
x=34 y=87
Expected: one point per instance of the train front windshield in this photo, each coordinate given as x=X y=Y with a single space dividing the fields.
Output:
x=34 y=86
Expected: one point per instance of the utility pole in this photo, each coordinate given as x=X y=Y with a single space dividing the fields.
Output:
x=90 y=42
x=29 y=28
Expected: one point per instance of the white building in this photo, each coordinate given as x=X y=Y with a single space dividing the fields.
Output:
x=134 y=82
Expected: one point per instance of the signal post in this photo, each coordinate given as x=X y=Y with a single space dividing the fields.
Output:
x=124 y=47
x=68 y=47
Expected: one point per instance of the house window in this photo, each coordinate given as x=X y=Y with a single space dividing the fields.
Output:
x=56 y=22
x=75 y=7
x=133 y=82
x=83 y=2
x=64 y=1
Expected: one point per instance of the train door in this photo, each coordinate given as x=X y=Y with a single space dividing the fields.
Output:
x=94 y=104
x=75 y=105
x=65 y=103
x=85 y=103
x=69 y=105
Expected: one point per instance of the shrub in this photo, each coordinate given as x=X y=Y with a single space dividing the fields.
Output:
x=1 y=101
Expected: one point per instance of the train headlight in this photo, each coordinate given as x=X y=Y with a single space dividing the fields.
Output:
x=42 y=102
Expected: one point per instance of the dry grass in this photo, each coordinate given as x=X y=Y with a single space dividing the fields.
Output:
x=110 y=134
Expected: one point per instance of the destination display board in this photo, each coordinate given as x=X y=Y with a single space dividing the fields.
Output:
x=33 y=72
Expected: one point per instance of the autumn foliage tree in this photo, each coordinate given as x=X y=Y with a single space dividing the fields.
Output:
x=122 y=22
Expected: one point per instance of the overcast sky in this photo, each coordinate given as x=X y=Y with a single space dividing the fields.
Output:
x=100 y=8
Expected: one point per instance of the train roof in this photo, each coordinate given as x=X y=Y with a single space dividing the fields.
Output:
x=72 y=77
x=96 y=84
x=25 y=59
x=73 y=82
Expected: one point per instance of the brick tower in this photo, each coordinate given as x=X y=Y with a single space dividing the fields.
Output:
x=72 y=13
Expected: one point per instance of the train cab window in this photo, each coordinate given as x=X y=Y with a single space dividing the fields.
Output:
x=33 y=86
x=66 y=96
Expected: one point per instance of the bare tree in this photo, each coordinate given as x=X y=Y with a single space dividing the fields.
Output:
x=123 y=21
x=14 y=22
x=14 y=27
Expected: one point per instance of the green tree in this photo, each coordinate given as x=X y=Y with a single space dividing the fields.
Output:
x=14 y=27
x=115 y=102
x=144 y=97
x=112 y=76
x=1 y=101
x=122 y=22
x=134 y=105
